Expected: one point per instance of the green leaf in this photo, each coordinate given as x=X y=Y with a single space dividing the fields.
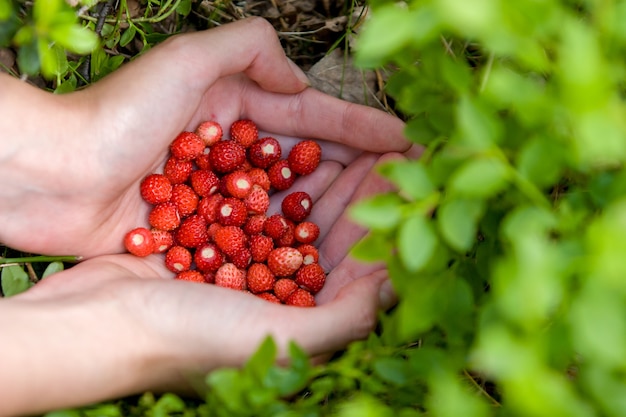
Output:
x=479 y=178
x=381 y=212
x=28 y=58
x=128 y=35
x=14 y=280
x=457 y=220
x=372 y=247
x=288 y=381
x=45 y=11
x=52 y=268
x=6 y=10
x=184 y=7
x=75 y=38
x=478 y=127
x=416 y=242
x=263 y=359
x=410 y=177
x=393 y=370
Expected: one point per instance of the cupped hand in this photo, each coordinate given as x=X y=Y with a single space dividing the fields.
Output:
x=70 y=184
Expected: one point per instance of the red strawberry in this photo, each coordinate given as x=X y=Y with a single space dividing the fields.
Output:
x=204 y=182
x=232 y=212
x=264 y=152
x=297 y=206
x=283 y=288
x=254 y=224
x=185 y=199
x=257 y=201
x=310 y=254
x=237 y=184
x=304 y=157
x=177 y=171
x=259 y=176
x=307 y=232
x=155 y=189
x=164 y=216
x=268 y=296
x=229 y=276
x=208 y=257
x=207 y=207
x=202 y=160
x=242 y=258
x=209 y=277
x=178 y=259
x=210 y=132
x=187 y=146
x=226 y=156
x=190 y=275
x=259 y=278
x=192 y=232
x=162 y=240
x=230 y=239
x=260 y=247
x=244 y=131
x=280 y=175
x=289 y=237
x=300 y=298
x=213 y=228
x=275 y=226
x=139 y=242
x=311 y=277
x=284 y=261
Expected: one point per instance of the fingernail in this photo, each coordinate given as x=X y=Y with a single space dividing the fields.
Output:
x=298 y=72
x=387 y=296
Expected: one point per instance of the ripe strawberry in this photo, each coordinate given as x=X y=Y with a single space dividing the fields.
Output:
x=162 y=240
x=226 y=156
x=307 y=232
x=187 y=146
x=260 y=247
x=185 y=199
x=268 y=296
x=311 y=277
x=289 y=237
x=300 y=298
x=210 y=132
x=237 y=184
x=259 y=177
x=259 y=278
x=177 y=171
x=232 y=212
x=190 y=275
x=304 y=157
x=284 y=261
x=212 y=229
x=297 y=206
x=284 y=287
x=178 y=259
x=204 y=182
x=257 y=201
x=244 y=131
x=230 y=239
x=164 y=216
x=275 y=226
x=280 y=175
x=208 y=257
x=155 y=189
x=254 y=224
x=264 y=152
x=139 y=242
x=241 y=259
x=202 y=160
x=207 y=207
x=310 y=254
x=192 y=232
x=209 y=277
x=229 y=276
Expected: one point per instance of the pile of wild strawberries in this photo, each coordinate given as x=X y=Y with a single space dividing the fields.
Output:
x=210 y=217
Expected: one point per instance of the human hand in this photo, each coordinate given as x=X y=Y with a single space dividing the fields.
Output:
x=112 y=327
x=72 y=182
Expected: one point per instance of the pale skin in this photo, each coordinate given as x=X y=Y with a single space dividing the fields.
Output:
x=70 y=166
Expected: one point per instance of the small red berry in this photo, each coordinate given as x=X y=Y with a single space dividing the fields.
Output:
x=178 y=259
x=254 y=224
x=304 y=157
x=264 y=152
x=139 y=242
x=284 y=287
x=284 y=261
x=204 y=182
x=280 y=175
x=268 y=296
x=237 y=184
x=297 y=206
x=307 y=232
x=190 y=275
x=232 y=212
x=300 y=298
x=260 y=247
x=259 y=278
x=230 y=239
x=244 y=132
x=210 y=132
x=185 y=199
x=208 y=257
x=202 y=160
x=310 y=254
x=275 y=226
x=311 y=277
x=155 y=189
x=177 y=171
x=257 y=201
x=164 y=216
x=192 y=232
x=162 y=240
x=207 y=207
x=259 y=177
x=229 y=276
x=187 y=146
x=226 y=156
x=241 y=259
x=289 y=237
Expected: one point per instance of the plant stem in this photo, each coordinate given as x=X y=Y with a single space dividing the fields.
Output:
x=40 y=258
